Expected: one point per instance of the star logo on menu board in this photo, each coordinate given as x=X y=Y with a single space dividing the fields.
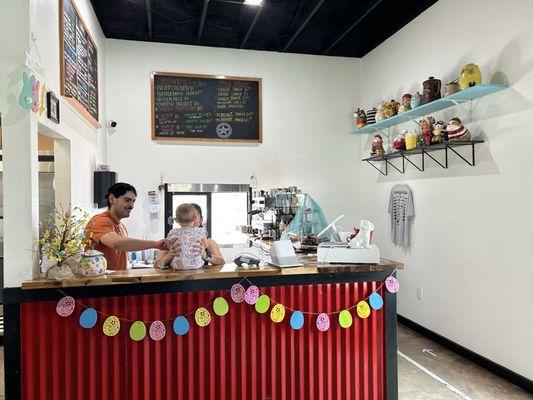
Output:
x=224 y=130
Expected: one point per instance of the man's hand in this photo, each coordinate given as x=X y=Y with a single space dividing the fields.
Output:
x=162 y=244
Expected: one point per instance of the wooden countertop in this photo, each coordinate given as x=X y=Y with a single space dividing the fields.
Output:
x=149 y=275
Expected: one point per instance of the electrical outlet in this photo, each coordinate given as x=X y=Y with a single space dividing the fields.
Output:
x=419 y=294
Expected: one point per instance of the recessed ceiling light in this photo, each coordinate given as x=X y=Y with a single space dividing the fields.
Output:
x=253 y=2
x=221 y=77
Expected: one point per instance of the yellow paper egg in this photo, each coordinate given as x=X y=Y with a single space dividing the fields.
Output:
x=363 y=309
x=278 y=313
x=111 y=326
x=202 y=317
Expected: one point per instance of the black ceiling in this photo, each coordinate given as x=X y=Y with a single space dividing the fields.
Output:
x=349 y=28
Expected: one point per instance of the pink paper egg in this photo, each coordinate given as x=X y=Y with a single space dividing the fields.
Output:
x=237 y=293
x=322 y=322
x=157 y=330
x=65 y=306
x=252 y=294
x=392 y=284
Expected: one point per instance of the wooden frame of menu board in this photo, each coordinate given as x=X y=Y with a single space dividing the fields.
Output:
x=253 y=136
x=72 y=101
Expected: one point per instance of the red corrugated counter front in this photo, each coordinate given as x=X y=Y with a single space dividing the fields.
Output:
x=242 y=355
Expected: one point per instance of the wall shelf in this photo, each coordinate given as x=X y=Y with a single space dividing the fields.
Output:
x=463 y=96
x=405 y=156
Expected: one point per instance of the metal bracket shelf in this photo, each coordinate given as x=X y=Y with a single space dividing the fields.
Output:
x=423 y=152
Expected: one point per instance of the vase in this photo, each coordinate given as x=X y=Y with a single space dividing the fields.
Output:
x=59 y=272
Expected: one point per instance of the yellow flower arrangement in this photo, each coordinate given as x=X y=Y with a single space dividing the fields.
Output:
x=62 y=235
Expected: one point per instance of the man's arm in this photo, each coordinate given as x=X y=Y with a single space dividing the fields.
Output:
x=116 y=242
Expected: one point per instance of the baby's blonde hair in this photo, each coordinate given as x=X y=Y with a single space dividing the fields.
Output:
x=185 y=214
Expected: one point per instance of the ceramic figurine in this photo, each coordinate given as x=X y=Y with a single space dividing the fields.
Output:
x=371 y=116
x=457 y=131
x=377 y=146
x=415 y=100
x=439 y=133
x=360 y=118
x=426 y=125
x=431 y=90
x=391 y=108
x=470 y=76
x=380 y=113
x=406 y=103
x=399 y=142
x=451 y=88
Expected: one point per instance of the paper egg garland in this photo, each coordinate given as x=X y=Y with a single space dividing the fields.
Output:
x=202 y=317
x=181 y=325
x=138 y=331
x=220 y=306
x=111 y=326
x=65 y=306
x=297 y=320
x=345 y=319
x=376 y=301
x=251 y=295
x=322 y=322
x=392 y=284
x=278 y=313
x=88 y=318
x=237 y=293
x=157 y=330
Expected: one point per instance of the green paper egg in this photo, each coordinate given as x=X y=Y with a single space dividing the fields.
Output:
x=220 y=306
x=345 y=319
x=138 y=331
x=262 y=304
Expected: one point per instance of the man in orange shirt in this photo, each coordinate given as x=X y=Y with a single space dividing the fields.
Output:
x=109 y=235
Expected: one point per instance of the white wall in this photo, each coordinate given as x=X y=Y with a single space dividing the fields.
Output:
x=307 y=106
x=471 y=234
x=87 y=143
x=21 y=19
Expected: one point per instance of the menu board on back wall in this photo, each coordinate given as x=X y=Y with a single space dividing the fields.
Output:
x=203 y=107
x=79 y=63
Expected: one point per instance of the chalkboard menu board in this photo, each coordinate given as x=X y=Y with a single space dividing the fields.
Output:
x=79 y=62
x=208 y=108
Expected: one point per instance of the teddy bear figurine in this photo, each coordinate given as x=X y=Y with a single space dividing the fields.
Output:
x=360 y=118
x=426 y=125
x=380 y=113
x=377 y=147
x=391 y=108
x=439 y=133
x=406 y=103
x=457 y=131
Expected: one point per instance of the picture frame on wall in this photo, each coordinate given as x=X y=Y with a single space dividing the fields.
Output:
x=52 y=107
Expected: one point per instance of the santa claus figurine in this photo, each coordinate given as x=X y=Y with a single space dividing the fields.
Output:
x=457 y=131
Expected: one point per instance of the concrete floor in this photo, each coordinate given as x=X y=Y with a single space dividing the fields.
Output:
x=414 y=384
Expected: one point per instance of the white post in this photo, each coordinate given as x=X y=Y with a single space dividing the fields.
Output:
x=19 y=153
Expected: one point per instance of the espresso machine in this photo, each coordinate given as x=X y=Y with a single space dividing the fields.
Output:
x=272 y=210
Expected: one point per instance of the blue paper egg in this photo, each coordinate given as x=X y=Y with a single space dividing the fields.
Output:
x=88 y=318
x=376 y=301
x=297 y=320
x=181 y=325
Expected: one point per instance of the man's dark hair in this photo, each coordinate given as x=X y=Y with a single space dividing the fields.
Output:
x=119 y=189
x=199 y=211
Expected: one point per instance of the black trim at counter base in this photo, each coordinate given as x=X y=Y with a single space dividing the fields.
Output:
x=483 y=362
x=12 y=379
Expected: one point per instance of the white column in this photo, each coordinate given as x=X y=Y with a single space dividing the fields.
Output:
x=19 y=131
x=62 y=170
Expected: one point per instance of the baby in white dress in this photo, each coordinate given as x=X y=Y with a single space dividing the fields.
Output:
x=187 y=236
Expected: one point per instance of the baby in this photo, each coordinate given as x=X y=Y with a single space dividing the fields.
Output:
x=187 y=236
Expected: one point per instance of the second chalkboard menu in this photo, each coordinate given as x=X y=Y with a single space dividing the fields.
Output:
x=79 y=63
x=190 y=107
